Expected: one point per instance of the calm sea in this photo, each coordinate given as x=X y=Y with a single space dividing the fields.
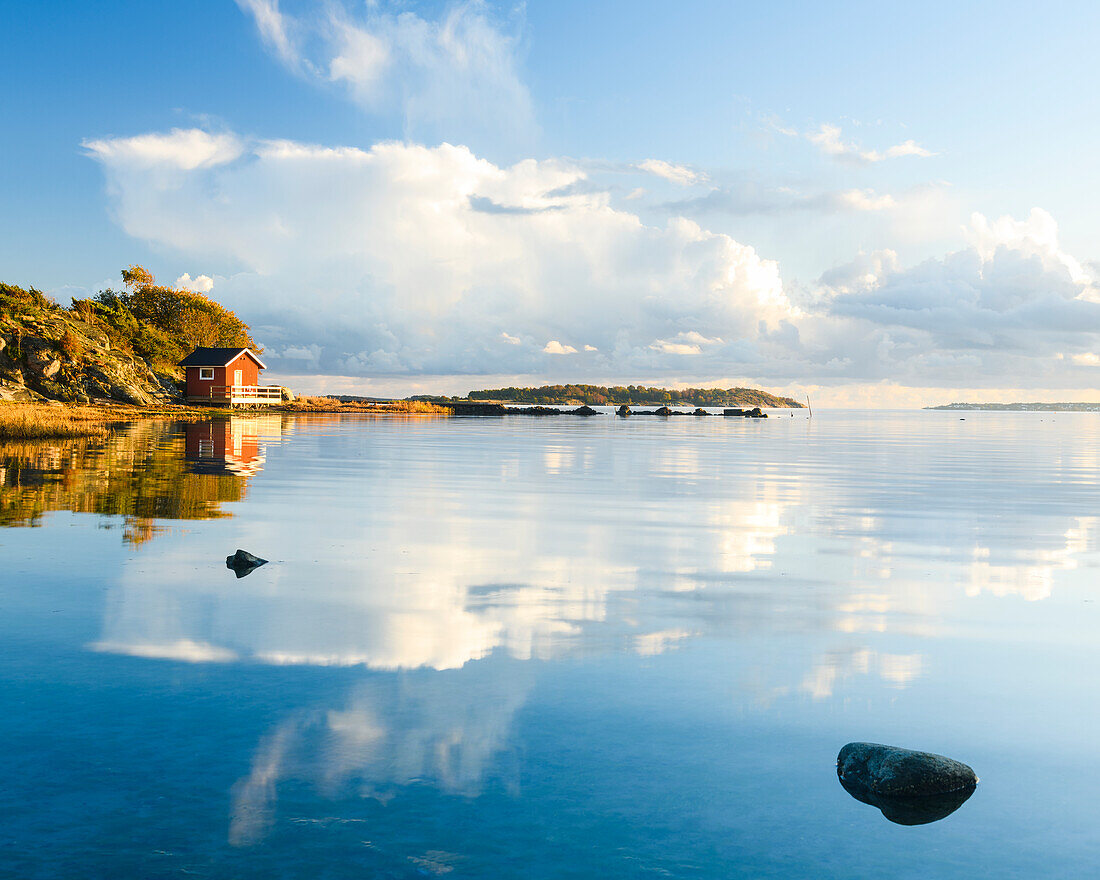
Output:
x=548 y=647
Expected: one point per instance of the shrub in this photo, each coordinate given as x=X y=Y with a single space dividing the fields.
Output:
x=72 y=346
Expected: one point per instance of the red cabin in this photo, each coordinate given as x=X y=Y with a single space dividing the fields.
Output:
x=226 y=376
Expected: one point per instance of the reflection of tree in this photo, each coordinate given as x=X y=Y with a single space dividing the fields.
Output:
x=139 y=474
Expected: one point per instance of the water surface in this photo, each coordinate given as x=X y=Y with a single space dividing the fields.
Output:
x=542 y=648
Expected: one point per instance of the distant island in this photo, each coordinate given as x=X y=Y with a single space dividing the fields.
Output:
x=631 y=395
x=1022 y=407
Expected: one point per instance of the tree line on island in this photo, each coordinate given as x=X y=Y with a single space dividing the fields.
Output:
x=634 y=395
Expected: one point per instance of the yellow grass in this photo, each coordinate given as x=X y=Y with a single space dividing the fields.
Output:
x=30 y=421
x=331 y=404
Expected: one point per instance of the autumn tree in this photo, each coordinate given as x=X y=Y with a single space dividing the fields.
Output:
x=163 y=324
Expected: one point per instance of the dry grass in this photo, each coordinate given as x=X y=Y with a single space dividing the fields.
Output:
x=32 y=421
x=332 y=405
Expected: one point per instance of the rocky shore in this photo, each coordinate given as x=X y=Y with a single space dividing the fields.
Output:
x=48 y=355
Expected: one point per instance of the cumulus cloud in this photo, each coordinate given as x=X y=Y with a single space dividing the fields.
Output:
x=1006 y=308
x=690 y=342
x=384 y=262
x=678 y=174
x=828 y=138
x=380 y=259
x=452 y=77
x=753 y=199
x=200 y=284
x=180 y=150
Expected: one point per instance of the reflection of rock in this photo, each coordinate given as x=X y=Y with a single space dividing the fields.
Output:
x=243 y=562
x=910 y=788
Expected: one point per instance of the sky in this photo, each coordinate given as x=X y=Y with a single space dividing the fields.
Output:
x=889 y=204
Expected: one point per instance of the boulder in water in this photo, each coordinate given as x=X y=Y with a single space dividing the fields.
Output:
x=242 y=562
x=585 y=411
x=910 y=788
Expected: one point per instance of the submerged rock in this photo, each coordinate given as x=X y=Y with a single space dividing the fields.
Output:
x=910 y=788
x=242 y=562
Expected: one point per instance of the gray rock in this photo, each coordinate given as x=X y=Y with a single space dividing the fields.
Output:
x=910 y=788
x=243 y=563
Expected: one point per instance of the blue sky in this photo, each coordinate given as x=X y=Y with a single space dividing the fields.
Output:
x=834 y=196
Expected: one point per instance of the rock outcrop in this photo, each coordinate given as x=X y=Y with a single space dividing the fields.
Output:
x=51 y=354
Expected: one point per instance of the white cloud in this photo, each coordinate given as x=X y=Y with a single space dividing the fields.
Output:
x=200 y=284
x=865 y=200
x=828 y=138
x=678 y=174
x=404 y=259
x=1002 y=309
x=687 y=342
x=667 y=346
x=455 y=77
x=181 y=150
x=750 y=199
x=1036 y=236
x=273 y=27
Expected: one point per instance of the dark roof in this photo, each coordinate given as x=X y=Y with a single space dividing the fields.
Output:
x=217 y=357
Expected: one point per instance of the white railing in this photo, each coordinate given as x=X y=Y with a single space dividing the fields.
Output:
x=246 y=393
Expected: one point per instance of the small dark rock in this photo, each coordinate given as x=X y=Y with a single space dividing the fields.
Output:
x=735 y=412
x=585 y=411
x=242 y=562
x=623 y=410
x=910 y=788
x=662 y=411
x=699 y=411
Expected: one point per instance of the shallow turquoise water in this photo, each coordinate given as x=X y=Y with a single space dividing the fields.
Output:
x=548 y=647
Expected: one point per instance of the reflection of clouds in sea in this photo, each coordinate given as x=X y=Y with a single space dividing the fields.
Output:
x=1030 y=572
x=441 y=729
x=898 y=670
x=437 y=557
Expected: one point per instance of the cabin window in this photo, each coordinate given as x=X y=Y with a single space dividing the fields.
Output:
x=206 y=372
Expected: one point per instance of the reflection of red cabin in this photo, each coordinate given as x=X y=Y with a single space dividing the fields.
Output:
x=226 y=375
x=223 y=446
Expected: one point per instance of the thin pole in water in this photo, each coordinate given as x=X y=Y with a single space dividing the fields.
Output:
x=810 y=408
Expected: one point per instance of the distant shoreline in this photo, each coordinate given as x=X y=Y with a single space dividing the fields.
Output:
x=1019 y=407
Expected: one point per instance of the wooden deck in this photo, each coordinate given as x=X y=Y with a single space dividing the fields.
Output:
x=240 y=395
